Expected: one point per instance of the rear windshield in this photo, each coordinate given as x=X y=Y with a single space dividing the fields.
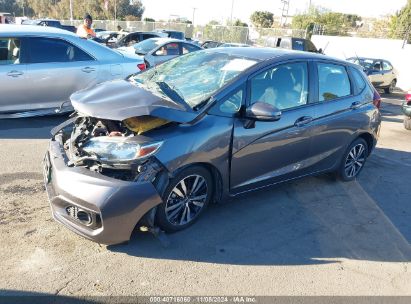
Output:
x=146 y=46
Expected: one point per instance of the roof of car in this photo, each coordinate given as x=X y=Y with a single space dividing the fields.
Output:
x=32 y=30
x=167 y=40
x=366 y=58
x=268 y=53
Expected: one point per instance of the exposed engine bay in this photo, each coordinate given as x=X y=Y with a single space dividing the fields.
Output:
x=113 y=148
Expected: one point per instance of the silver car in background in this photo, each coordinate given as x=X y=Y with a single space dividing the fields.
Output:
x=158 y=50
x=380 y=72
x=40 y=67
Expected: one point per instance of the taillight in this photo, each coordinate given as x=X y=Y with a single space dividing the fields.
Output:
x=408 y=97
x=141 y=66
x=376 y=99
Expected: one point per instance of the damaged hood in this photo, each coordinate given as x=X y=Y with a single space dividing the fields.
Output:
x=120 y=99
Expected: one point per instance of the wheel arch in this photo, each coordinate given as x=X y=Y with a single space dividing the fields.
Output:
x=369 y=139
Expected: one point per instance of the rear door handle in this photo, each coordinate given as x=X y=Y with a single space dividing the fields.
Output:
x=15 y=73
x=88 y=70
x=355 y=105
x=303 y=121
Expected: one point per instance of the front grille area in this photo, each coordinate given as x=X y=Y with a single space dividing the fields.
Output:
x=87 y=218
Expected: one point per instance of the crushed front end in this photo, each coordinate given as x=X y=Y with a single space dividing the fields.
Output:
x=102 y=176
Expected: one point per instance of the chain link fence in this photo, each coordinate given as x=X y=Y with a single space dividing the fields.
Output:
x=362 y=32
x=221 y=33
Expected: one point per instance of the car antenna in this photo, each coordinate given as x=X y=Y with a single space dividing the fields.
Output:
x=328 y=42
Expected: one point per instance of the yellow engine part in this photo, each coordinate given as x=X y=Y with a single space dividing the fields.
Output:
x=143 y=124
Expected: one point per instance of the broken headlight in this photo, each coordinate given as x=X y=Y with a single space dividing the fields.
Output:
x=117 y=149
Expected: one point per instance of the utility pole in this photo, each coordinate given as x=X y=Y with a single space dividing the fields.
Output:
x=232 y=8
x=115 y=11
x=71 y=10
x=194 y=10
x=284 y=11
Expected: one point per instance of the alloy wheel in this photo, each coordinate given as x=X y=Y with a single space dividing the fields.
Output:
x=186 y=200
x=355 y=160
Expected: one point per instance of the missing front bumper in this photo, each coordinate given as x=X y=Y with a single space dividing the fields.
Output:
x=118 y=204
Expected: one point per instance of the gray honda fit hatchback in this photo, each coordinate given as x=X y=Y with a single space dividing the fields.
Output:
x=156 y=148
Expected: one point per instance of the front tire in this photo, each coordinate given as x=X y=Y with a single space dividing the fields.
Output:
x=185 y=199
x=353 y=160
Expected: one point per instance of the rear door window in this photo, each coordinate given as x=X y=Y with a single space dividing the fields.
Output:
x=170 y=49
x=386 y=66
x=44 y=50
x=333 y=81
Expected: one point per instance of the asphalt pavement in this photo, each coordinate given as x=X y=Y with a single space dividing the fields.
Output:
x=314 y=236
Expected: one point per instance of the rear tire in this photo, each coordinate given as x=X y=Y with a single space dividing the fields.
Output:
x=390 y=88
x=185 y=199
x=353 y=160
x=407 y=122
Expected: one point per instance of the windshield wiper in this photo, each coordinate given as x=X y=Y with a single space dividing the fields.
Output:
x=170 y=92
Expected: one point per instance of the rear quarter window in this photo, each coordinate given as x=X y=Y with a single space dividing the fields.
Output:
x=358 y=78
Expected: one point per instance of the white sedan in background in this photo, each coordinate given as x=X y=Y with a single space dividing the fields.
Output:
x=158 y=50
x=40 y=67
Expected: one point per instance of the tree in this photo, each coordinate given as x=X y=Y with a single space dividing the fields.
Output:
x=238 y=22
x=400 y=26
x=11 y=6
x=130 y=8
x=262 y=19
x=333 y=23
x=212 y=31
x=149 y=19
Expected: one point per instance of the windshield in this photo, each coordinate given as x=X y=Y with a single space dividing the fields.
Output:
x=365 y=63
x=195 y=77
x=145 y=46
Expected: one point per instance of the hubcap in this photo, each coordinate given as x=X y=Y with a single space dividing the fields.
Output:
x=186 y=200
x=355 y=160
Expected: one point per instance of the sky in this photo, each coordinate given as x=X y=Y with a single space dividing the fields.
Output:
x=220 y=10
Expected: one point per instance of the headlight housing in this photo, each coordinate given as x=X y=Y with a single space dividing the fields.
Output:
x=117 y=149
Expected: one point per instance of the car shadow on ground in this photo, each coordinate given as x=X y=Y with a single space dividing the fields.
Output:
x=31 y=297
x=314 y=220
x=30 y=128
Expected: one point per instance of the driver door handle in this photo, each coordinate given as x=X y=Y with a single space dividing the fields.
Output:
x=88 y=70
x=302 y=121
x=14 y=73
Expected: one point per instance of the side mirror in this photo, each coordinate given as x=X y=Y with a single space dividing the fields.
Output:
x=320 y=51
x=263 y=112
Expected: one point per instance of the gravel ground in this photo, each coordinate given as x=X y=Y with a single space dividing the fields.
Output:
x=314 y=236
